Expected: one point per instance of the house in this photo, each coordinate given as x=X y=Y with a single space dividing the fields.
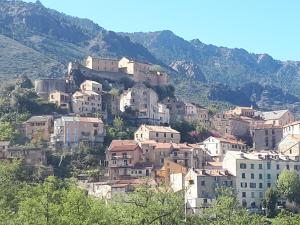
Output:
x=217 y=147
x=200 y=187
x=266 y=136
x=170 y=167
x=144 y=105
x=157 y=133
x=90 y=85
x=61 y=99
x=101 y=64
x=39 y=128
x=278 y=118
x=290 y=145
x=291 y=128
x=233 y=125
x=75 y=131
x=190 y=112
x=122 y=155
x=32 y=156
x=86 y=103
x=242 y=111
x=255 y=172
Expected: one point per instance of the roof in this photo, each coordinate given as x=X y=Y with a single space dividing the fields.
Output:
x=266 y=126
x=90 y=93
x=123 y=145
x=180 y=146
x=91 y=81
x=273 y=115
x=90 y=119
x=259 y=155
x=142 y=165
x=293 y=123
x=70 y=118
x=160 y=129
x=230 y=141
x=213 y=172
x=39 y=118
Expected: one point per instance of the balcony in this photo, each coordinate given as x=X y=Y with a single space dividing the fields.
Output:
x=119 y=163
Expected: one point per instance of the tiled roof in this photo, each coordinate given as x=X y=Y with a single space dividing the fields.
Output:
x=123 y=145
x=90 y=120
x=230 y=141
x=273 y=115
x=266 y=126
x=39 y=118
x=160 y=129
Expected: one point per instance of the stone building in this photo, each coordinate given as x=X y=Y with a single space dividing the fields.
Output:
x=266 y=136
x=43 y=87
x=101 y=64
x=61 y=99
x=39 y=128
x=278 y=118
x=143 y=102
x=157 y=133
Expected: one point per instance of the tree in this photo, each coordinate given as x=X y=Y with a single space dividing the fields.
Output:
x=270 y=201
x=288 y=185
x=6 y=131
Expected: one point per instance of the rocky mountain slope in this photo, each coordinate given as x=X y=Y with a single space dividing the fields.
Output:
x=39 y=42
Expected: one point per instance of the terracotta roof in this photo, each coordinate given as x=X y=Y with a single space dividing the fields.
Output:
x=230 y=141
x=90 y=120
x=123 y=145
x=160 y=129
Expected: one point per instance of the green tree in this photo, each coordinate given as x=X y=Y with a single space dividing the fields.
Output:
x=270 y=201
x=288 y=185
x=6 y=131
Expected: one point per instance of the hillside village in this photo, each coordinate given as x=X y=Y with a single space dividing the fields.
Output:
x=112 y=107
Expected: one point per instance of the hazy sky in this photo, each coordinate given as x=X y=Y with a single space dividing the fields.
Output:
x=260 y=26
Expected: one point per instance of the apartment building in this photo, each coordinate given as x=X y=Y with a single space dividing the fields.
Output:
x=61 y=99
x=256 y=171
x=290 y=145
x=75 y=131
x=291 y=128
x=266 y=136
x=278 y=118
x=217 y=147
x=156 y=133
x=144 y=102
x=39 y=128
x=122 y=155
x=90 y=85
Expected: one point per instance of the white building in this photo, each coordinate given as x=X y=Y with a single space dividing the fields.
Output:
x=257 y=171
x=291 y=128
x=278 y=118
x=217 y=147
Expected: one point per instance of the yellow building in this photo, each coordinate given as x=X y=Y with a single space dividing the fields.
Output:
x=100 y=64
x=157 y=133
x=61 y=99
x=39 y=128
x=86 y=103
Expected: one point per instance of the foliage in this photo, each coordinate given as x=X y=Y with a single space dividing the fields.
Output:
x=118 y=131
x=7 y=131
x=288 y=185
x=270 y=201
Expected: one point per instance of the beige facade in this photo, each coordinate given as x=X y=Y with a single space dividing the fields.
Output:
x=100 y=64
x=291 y=128
x=39 y=128
x=157 y=133
x=217 y=147
x=61 y=99
x=257 y=171
x=89 y=85
x=86 y=103
x=201 y=187
x=266 y=136
x=278 y=118
x=290 y=145
x=74 y=131
x=144 y=102
x=242 y=111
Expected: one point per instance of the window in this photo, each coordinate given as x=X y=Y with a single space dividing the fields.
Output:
x=268 y=165
x=156 y=134
x=277 y=167
x=260 y=166
x=243 y=175
x=165 y=135
x=260 y=176
x=287 y=166
x=252 y=175
x=260 y=185
x=205 y=200
x=268 y=176
x=243 y=184
x=268 y=185
x=243 y=165
x=252 y=166
x=261 y=195
x=172 y=135
x=252 y=195
x=252 y=185
x=202 y=183
x=244 y=194
x=140 y=172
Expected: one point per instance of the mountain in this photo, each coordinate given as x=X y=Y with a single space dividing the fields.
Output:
x=39 y=42
x=209 y=63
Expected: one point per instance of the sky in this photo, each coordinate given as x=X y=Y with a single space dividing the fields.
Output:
x=259 y=26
